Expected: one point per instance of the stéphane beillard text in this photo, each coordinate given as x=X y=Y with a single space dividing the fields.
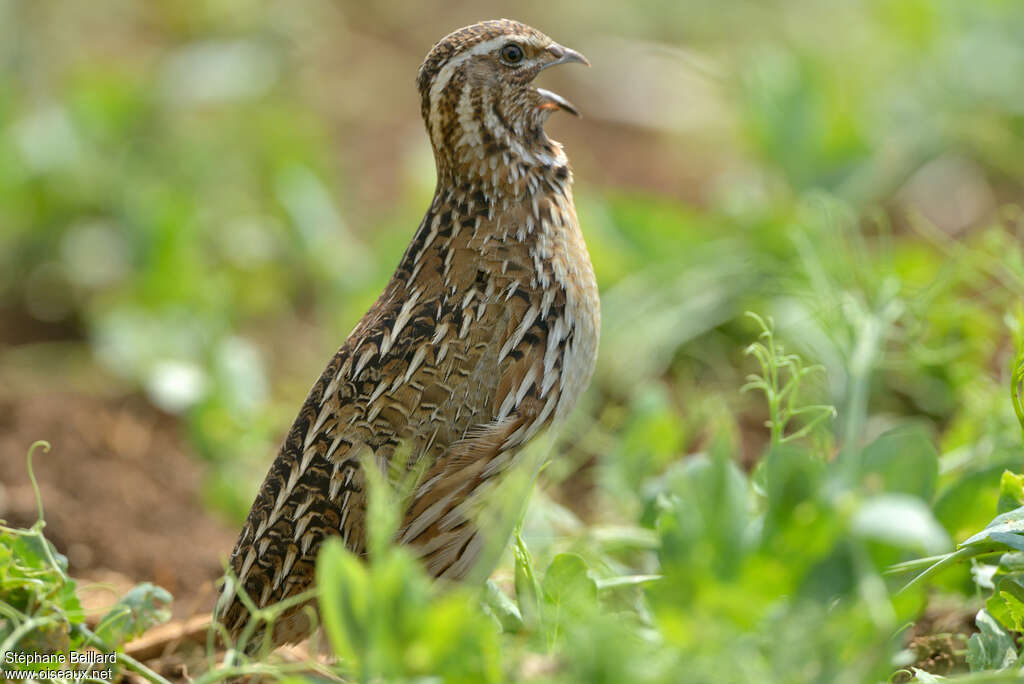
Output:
x=73 y=657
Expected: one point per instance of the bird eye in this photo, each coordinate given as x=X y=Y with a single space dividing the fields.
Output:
x=512 y=54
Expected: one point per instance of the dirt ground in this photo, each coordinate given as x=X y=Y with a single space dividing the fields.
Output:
x=121 y=494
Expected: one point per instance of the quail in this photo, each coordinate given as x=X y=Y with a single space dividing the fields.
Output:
x=486 y=334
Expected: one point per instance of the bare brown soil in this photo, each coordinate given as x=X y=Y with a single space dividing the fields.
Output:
x=938 y=639
x=120 y=490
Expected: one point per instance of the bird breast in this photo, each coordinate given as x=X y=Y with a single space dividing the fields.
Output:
x=509 y=286
x=561 y=251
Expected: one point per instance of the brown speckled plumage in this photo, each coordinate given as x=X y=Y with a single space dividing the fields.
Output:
x=485 y=335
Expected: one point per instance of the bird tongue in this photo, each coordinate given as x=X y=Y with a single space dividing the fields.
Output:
x=556 y=101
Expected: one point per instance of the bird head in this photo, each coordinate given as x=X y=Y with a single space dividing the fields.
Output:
x=478 y=99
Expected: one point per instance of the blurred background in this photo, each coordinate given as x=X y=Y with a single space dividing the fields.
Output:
x=199 y=199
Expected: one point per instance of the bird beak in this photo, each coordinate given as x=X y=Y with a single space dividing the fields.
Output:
x=555 y=101
x=562 y=55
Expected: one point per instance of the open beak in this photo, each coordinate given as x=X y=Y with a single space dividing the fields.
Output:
x=562 y=55
x=555 y=101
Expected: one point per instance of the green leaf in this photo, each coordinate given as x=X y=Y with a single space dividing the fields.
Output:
x=570 y=594
x=68 y=603
x=923 y=677
x=704 y=528
x=32 y=550
x=1001 y=534
x=387 y=622
x=900 y=520
x=1017 y=382
x=1011 y=563
x=345 y=595
x=966 y=504
x=568 y=586
x=1011 y=491
x=455 y=642
x=792 y=476
x=528 y=591
x=902 y=460
x=1005 y=529
x=504 y=609
x=138 y=610
x=29 y=579
x=992 y=648
x=1007 y=604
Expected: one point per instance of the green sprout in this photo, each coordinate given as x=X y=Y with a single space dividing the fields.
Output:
x=780 y=378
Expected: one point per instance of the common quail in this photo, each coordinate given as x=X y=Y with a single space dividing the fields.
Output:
x=486 y=334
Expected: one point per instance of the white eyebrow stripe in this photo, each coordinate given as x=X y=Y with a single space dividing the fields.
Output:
x=445 y=74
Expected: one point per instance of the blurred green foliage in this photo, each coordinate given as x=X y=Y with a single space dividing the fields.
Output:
x=168 y=192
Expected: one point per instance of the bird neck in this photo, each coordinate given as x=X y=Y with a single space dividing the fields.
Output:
x=504 y=171
x=495 y=212
x=498 y=147
x=505 y=183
